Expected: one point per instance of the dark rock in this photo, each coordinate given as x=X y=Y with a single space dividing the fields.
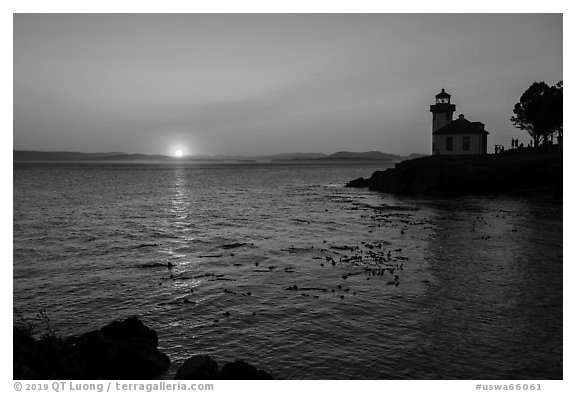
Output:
x=204 y=367
x=121 y=350
x=198 y=367
x=46 y=358
x=240 y=370
x=358 y=183
x=521 y=174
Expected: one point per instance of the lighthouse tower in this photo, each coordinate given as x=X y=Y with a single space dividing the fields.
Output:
x=442 y=111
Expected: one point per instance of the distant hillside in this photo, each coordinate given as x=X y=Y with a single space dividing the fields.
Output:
x=415 y=155
x=341 y=155
x=369 y=155
x=291 y=156
x=136 y=157
x=24 y=155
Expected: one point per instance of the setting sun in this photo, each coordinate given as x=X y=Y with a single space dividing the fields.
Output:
x=178 y=153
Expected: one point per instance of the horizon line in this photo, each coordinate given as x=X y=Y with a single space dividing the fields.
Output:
x=218 y=154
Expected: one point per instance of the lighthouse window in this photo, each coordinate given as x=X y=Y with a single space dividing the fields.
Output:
x=466 y=143
x=449 y=143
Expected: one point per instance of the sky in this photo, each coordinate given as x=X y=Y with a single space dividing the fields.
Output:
x=254 y=84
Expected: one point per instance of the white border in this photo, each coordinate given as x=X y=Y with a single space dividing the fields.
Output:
x=301 y=6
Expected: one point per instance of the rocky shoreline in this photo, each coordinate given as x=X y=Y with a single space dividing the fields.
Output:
x=125 y=349
x=525 y=173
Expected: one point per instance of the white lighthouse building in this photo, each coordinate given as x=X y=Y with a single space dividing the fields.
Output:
x=459 y=136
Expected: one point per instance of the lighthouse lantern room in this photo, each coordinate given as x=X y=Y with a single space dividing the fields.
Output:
x=442 y=111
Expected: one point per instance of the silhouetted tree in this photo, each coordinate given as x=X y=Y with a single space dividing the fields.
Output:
x=539 y=111
x=556 y=103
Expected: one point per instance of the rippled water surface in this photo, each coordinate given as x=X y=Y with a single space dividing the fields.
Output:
x=282 y=266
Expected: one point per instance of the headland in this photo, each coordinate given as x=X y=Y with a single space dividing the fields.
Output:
x=525 y=172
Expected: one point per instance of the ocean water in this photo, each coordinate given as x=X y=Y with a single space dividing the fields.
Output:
x=284 y=267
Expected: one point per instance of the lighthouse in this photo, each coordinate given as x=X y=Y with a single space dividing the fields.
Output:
x=455 y=137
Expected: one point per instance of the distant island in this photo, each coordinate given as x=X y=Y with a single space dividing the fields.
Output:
x=353 y=156
x=58 y=156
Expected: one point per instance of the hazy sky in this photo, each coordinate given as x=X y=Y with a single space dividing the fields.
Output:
x=270 y=83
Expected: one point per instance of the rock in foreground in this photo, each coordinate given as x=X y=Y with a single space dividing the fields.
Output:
x=198 y=367
x=120 y=350
x=125 y=349
x=203 y=367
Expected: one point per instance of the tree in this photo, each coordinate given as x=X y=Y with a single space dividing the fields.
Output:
x=539 y=111
x=556 y=112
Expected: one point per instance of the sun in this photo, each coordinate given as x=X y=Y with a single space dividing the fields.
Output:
x=179 y=150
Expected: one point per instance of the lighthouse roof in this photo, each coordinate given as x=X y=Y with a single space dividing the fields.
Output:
x=461 y=126
x=443 y=94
